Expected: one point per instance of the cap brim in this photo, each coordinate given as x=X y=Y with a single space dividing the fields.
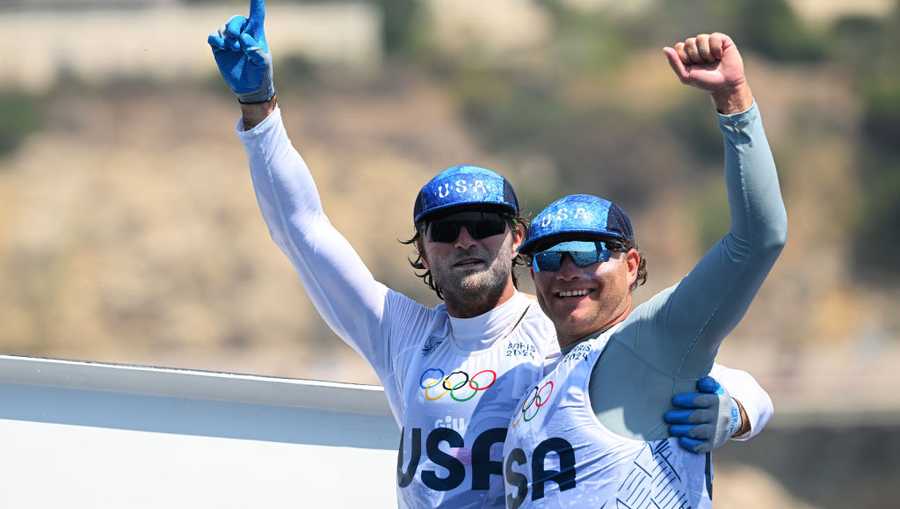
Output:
x=574 y=246
x=535 y=245
x=452 y=208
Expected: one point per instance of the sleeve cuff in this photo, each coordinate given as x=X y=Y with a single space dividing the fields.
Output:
x=744 y=388
x=753 y=416
x=259 y=129
x=739 y=120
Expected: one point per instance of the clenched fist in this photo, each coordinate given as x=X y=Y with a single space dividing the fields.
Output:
x=713 y=63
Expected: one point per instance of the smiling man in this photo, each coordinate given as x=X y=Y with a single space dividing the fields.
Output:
x=452 y=373
x=587 y=435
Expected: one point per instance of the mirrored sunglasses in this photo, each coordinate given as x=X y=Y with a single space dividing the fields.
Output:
x=551 y=261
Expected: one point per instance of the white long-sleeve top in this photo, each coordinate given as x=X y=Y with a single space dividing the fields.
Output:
x=451 y=383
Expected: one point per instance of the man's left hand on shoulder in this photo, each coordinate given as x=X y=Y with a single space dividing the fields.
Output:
x=706 y=419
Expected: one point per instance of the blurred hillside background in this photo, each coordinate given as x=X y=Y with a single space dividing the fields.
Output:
x=129 y=231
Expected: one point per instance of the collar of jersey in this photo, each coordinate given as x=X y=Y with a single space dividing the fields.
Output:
x=482 y=331
x=594 y=335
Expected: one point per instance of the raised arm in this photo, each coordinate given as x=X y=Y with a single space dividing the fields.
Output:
x=337 y=281
x=694 y=317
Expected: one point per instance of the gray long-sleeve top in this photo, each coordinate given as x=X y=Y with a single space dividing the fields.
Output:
x=671 y=340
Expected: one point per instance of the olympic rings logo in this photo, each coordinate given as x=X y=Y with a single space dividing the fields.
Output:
x=537 y=398
x=458 y=384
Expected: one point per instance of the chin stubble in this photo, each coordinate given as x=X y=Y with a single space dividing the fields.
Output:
x=479 y=287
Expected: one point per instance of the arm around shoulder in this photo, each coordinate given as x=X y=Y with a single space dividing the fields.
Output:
x=753 y=399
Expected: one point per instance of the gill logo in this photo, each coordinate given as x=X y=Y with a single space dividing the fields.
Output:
x=458 y=384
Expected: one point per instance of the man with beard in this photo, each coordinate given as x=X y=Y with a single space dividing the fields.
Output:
x=451 y=373
x=587 y=434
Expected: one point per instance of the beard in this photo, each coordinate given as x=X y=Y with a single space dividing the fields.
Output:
x=474 y=291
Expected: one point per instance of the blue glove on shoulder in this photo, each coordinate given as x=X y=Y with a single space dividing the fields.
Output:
x=703 y=420
x=243 y=56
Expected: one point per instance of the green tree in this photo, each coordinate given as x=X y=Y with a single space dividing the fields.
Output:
x=772 y=28
x=877 y=235
x=399 y=25
x=22 y=115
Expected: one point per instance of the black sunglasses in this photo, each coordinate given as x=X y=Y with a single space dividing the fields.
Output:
x=480 y=225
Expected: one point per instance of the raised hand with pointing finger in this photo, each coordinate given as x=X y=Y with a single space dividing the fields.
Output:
x=713 y=63
x=243 y=56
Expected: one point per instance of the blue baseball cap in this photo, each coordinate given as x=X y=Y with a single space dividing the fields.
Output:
x=577 y=217
x=465 y=187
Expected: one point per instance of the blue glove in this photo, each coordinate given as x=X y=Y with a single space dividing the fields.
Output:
x=243 y=56
x=703 y=420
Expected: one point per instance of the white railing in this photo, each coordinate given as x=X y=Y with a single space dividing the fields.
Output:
x=92 y=435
